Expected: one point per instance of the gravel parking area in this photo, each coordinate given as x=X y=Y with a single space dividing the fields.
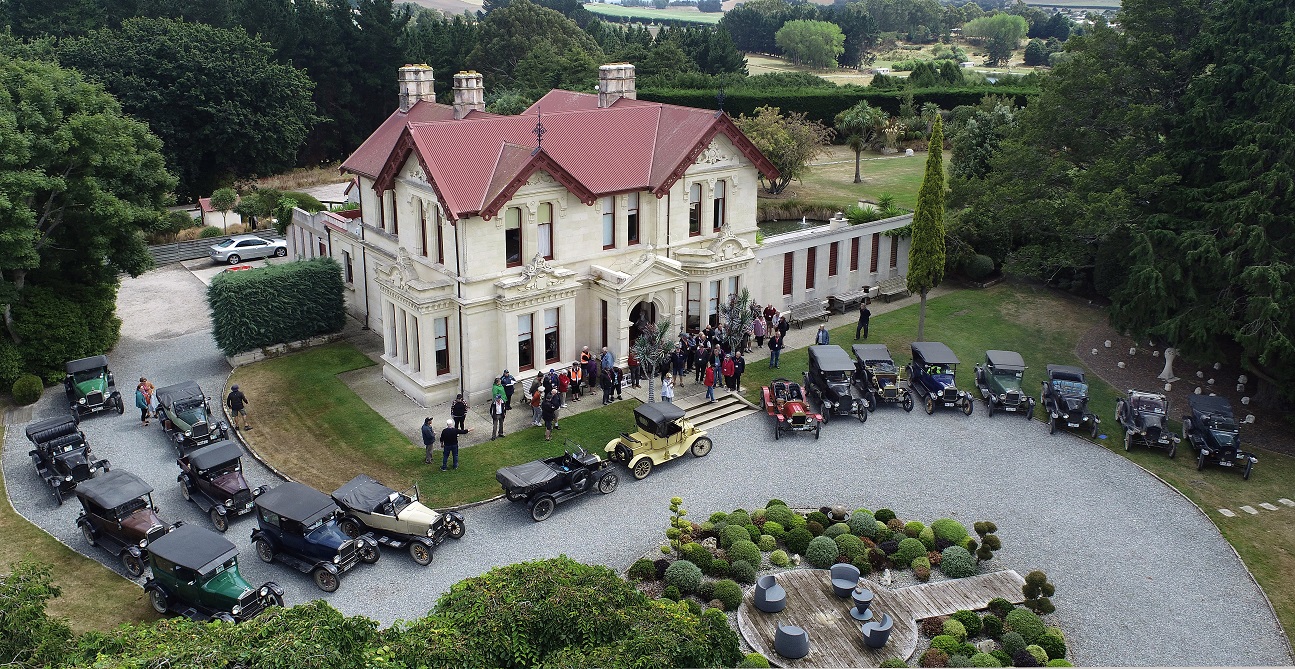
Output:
x=1142 y=577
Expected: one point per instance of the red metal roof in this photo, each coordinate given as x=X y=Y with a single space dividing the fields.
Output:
x=372 y=154
x=205 y=204
x=477 y=163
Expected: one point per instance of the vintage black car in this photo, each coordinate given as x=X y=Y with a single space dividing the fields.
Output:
x=397 y=519
x=828 y=381
x=90 y=387
x=1143 y=415
x=1065 y=398
x=117 y=512
x=298 y=526
x=195 y=574
x=62 y=455
x=877 y=377
x=1212 y=430
x=186 y=417
x=212 y=478
x=932 y=377
x=999 y=382
x=543 y=484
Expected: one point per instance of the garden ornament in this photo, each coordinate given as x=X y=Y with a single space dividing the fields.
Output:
x=1168 y=373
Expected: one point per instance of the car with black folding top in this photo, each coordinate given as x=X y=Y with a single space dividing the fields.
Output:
x=999 y=382
x=1065 y=398
x=1143 y=416
x=1214 y=433
x=397 y=519
x=195 y=574
x=298 y=526
x=62 y=455
x=186 y=417
x=933 y=377
x=543 y=484
x=117 y=513
x=212 y=478
x=90 y=387
x=877 y=377
x=828 y=382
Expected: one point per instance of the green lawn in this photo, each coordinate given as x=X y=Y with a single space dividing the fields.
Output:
x=1044 y=329
x=830 y=180
x=323 y=434
x=648 y=15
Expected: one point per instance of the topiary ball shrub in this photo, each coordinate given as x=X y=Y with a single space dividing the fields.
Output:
x=913 y=528
x=1003 y=658
x=835 y=530
x=955 y=629
x=956 y=562
x=27 y=389
x=739 y=517
x=779 y=558
x=672 y=592
x=1000 y=607
x=767 y=543
x=695 y=608
x=934 y=657
x=642 y=570
x=758 y=517
x=773 y=529
x=718 y=568
x=1059 y=663
x=949 y=529
x=921 y=572
x=753 y=661
x=883 y=533
x=661 y=565
x=921 y=562
x=878 y=559
x=1013 y=643
x=984 y=660
x=798 y=540
x=888 y=547
x=946 y=643
x=933 y=626
x=774 y=502
x=718 y=517
x=779 y=513
x=893 y=663
x=744 y=550
x=706 y=591
x=861 y=563
x=742 y=572
x=822 y=552
x=728 y=593
x=1053 y=645
x=927 y=537
x=1026 y=623
x=991 y=626
x=732 y=533
x=1023 y=658
x=935 y=558
x=797 y=520
x=967 y=649
x=697 y=554
x=862 y=523
x=814 y=528
x=818 y=517
x=683 y=575
x=895 y=525
x=1040 y=655
x=908 y=550
x=970 y=621
x=959 y=660
x=978 y=267
x=884 y=515
x=752 y=532
x=850 y=546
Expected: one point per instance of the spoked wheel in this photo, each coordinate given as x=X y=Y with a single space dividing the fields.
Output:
x=607 y=483
x=1200 y=461
x=273 y=599
x=542 y=509
x=1092 y=434
x=233 y=260
x=642 y=468
x=1052 y=426
x=351 y=527
x=370 y=554
x=89 y=535
x=817 y=429
x=908 y=402
x=264 y=550
x=1173 y=449
x=219 y=520
x=862 y=414
x=58 y=495
x=159 y=601
x=1128 y=441
x=185 y=492
x=1245 y=475
x=280 y=252
x=989 y=408
x=929 y=406
x=121 y=407
x=827 y=414
x=967 y=406
x=326 y=580
x=701 y=447
x=134 y=566
x=455 y=527
x=777 y=432
x=421 y=554
x=872 y=402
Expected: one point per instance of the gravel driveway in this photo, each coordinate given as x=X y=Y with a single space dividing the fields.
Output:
x=1142 y=577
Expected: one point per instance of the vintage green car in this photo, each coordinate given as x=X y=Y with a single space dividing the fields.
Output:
x=663 y=435
x=89 y=386
x=195 y=574
x=999 y=383
x=186 y=417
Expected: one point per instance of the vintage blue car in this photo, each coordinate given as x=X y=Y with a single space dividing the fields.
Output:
x=932 y=377
x=298 y=526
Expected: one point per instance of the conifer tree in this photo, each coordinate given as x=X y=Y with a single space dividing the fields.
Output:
x=926 y=254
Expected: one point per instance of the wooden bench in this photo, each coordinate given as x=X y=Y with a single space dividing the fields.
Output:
x=848 y=300
x=896 y=285
x=798 y=313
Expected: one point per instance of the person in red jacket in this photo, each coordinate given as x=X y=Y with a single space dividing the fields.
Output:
x=729 y=369
x=635 y=369
x=710 y=381
x=564 y=386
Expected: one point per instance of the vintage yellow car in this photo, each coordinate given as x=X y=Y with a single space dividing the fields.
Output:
x=663 y=435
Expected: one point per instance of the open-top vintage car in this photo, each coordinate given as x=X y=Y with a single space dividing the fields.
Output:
x=117 y=512
x=1142 y=415
x=932 y=377
x=784 y=402
x=999 y=382
x=298 y=526
x=663 y=434
x=90 y=387
x=397 y=519
x=212 y=478
x=877 y=377
x=61 y=455
x=828 y=380
x=1065 y=398
x=195 y=574
x=186 y=417
x=543 y=484
x=1212 y=430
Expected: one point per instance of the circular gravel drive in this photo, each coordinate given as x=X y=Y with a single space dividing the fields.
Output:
x=1143 y=578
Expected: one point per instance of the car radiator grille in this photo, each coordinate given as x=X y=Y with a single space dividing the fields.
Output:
x=251 y=604
x=890 y=392
x=1013 y=397
x=949 y=394
x=199 y=431
x=94 y=398
x=350 y=553
x=81 y=473
x=154 y=533
x=797 y=420
x=242 y=498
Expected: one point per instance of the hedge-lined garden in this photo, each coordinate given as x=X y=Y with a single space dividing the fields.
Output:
x=276 y=304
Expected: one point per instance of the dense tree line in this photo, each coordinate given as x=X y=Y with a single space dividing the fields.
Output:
x=1156 y=169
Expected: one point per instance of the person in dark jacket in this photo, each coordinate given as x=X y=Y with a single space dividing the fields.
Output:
x=864 y=315
x=549 y=409
x=237 y=403
x=775 y=349
x=429 y=441
x=739 y=366
x=450 y=443
x=458 y=411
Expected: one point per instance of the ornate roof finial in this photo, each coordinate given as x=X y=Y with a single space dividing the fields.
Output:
x=719 y=99
x=539 y=130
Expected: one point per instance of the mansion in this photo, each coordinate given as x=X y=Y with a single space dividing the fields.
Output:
x=485 y=242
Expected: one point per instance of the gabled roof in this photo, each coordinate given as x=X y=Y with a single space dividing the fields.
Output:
x=369 y=158
x=477 y=163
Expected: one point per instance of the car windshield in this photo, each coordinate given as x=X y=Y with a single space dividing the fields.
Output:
x=229 y=564
x=313 y=527
x=1146 y=405
x=835 y=377
x=131 y=507
x=882 y=366
x=1008 y=374
x=226 y=468
x=188 y=404
x=401 y=503
x=938 y=370
x=87 y=375
x=226 y=244
x=1070 y=387
x=1225 y=438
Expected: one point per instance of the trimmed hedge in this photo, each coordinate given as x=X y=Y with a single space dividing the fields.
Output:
x=683 y=575
x=909 y=550
x=729 y=593
x=27 y=389
x=744 y=550
x=797 y=540
x=1026 y=623
x=276 y=304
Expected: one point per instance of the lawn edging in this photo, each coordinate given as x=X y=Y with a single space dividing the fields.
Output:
x=238 y=434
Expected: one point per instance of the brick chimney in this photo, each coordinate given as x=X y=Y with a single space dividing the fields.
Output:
x=469 y=93
x=615 y=81
x=415 y=84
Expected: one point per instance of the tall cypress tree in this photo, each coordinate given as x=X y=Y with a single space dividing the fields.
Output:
x=926 y=254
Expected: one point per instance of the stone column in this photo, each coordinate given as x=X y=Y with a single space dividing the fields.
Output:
x=411 y=326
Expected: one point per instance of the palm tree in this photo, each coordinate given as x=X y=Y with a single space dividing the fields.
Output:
x=860 y=124
x=653 y=349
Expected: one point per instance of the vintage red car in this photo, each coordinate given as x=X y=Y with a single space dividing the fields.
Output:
x=784 y=401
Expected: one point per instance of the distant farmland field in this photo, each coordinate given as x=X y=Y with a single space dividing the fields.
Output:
x=649 y=15
x=1076 y=4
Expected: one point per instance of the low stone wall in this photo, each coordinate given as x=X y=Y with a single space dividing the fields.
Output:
x=277 y=350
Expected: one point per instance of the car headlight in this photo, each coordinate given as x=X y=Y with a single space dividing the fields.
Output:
x=337 y=559
x=264 y=591
x=188 y=433
x=429 y=530
x=827 y=404
x=1002 y=398
x=229 y=503
x=1205 y=451
x=236 y=610
x=222 y=425
x=143 y=543
x=81 y=401
x=1084 y=419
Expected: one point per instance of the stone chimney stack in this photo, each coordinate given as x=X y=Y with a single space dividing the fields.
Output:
x=416 y=84
x=469 y=93
x=615 y=81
